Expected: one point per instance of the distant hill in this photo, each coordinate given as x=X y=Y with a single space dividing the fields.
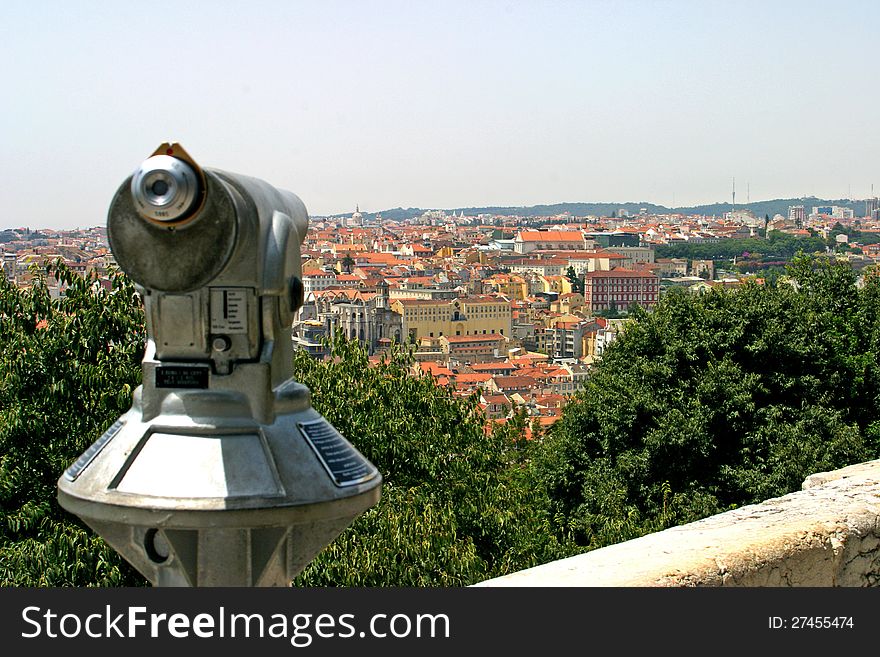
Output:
x=759 y=208
x=776 y=206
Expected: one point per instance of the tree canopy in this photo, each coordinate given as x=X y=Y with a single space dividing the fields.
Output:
x=577 y=283
x=68 y=366
x=717 y=400
x=779 y=245
x=457 y=502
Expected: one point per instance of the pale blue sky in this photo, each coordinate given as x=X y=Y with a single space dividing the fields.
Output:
x=441 y=104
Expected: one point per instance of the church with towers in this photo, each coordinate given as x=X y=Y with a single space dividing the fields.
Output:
x=358 y=314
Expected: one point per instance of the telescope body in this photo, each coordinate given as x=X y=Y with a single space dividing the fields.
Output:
x=221 y=473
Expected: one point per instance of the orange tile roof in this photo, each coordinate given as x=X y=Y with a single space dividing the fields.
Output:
x=515 y=381
x=551 y=236
x=476 y=377
x=492 y=337
x=435 y=368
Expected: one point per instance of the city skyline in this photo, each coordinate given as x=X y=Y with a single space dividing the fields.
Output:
x=447 y=105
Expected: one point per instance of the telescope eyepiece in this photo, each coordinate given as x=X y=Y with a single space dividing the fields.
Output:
x=165 y=189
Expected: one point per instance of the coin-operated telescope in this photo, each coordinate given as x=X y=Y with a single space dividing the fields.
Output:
x=222 y=473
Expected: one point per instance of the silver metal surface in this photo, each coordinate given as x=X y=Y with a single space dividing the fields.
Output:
x=185 y=257
x=165 y=188
x=221 y=473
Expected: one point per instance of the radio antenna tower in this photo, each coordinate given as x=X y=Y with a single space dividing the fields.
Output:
x=733 y=195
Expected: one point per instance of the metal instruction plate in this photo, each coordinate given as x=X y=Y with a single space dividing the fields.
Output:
x=343 y=463
x=172 y=376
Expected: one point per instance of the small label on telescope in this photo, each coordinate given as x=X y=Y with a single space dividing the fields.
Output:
x=171 y=376
x=343 y=462
x=229 y=310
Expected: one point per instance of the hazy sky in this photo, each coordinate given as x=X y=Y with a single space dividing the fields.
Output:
x=441 y=104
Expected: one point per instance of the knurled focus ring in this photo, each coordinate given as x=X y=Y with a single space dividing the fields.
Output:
x=165 y=189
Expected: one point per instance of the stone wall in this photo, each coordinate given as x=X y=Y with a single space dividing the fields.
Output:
x=827 y=534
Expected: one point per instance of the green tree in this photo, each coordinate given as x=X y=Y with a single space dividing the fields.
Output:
x=347 y=263
x=717 y=400
x=577 y=283
x=458 y=505
x=613 y=312
x=68 y=366
x=778 y=245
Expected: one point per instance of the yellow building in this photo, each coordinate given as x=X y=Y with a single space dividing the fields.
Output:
x=568 y=303
x=557 y=284
x=478 y=315
x=513 y=286
x=600 y=261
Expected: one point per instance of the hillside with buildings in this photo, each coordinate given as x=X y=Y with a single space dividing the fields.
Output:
x=513 y=308
x=516 y=309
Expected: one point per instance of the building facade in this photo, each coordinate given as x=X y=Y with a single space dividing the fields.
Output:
x=527 y=241
x=545 y=267
x=358 y=315
x=476 y=315
x=565 y=338
x=672 y=267
x=620 y=288
x=797 y=214
x=469 y=349
x=635 y=255
x=316 y=280
x=596 y=261
x=703 y=268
